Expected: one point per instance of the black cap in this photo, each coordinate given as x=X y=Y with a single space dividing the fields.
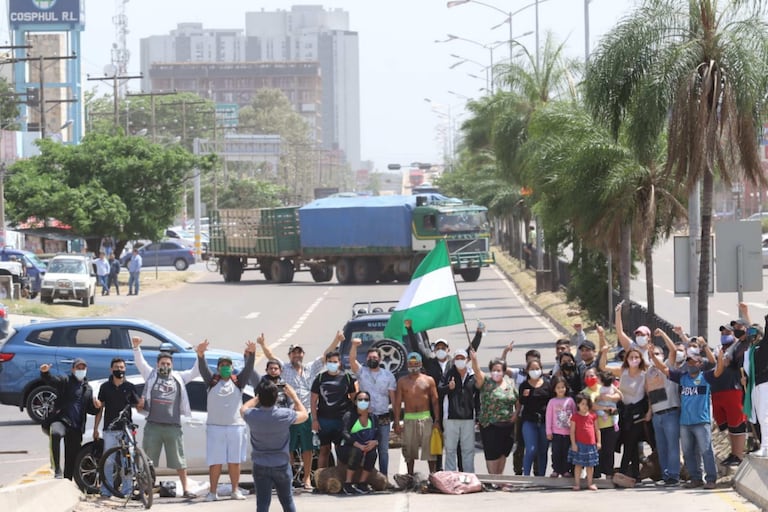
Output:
x=292 y=348
x=588 y=344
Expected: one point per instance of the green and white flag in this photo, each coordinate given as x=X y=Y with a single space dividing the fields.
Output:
x=430 y=300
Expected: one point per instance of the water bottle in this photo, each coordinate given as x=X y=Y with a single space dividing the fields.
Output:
x=315 y=441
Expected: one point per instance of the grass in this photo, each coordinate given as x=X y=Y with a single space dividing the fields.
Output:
x=149 y=283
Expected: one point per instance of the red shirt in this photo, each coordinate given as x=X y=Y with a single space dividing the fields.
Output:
x=585 y=427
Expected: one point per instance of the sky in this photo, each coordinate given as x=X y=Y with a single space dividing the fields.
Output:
x=400 y=63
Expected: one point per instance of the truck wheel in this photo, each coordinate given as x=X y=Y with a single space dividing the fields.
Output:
x=344 y=271
x=392 y=354
x=286 y=271
x=232 y=269
x=40 y=402
x=470 y=275
x=387 y=276
x=403 y=277
x=275 y=271
x=85 y=301
x=322 y=273
x=366 y=270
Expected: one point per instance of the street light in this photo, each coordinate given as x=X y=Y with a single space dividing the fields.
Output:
x=488 y=46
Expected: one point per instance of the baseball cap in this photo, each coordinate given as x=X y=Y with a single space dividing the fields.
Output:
x=441 y=340
x=413 y=356
x=79 y=361
x=588 y=344
x=460 y=352
x=224 y=359
x=728 y=328
x=739 y=321
x=643 y=330
x=293 y=348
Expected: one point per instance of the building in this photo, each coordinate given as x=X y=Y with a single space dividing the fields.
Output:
x=300 y=36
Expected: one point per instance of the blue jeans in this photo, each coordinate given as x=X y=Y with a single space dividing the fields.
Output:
x=667 y=429
x=133 y=282
x=383 y=448
x=281 y=477
x=110 y=440
x=102 y=280
x=696 y=441
x=536 y=445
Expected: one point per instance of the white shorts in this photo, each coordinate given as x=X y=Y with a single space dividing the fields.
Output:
x=225 y=444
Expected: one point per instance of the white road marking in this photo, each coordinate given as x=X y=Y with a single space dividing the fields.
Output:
x=252 y=316
x=303 y=318
x=525 y=305
x=723 y=312
x=757 y=305
x=469 y=306
x=669 y=291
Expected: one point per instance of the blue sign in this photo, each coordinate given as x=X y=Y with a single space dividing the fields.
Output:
x=44 y=12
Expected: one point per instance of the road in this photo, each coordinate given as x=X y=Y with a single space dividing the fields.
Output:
x=309 y=313
x=722 y=306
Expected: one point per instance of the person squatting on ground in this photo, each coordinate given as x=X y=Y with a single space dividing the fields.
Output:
x=417 y=394
x=74 y=399
x=225 y=436
x=361 y=439
x=269 y=428
x=166 y=401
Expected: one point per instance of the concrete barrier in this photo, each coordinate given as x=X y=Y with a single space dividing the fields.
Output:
x=44 y=495
x=751 y=480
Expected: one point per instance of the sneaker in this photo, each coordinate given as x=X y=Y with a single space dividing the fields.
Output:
x=735 y=461
x=660 y=483
x=710 y=485
x=237 y=495
x=554 y=475
x=364 y=488
x=349 y=489
x=671 y=482
x=727 y=461
x=762 y=452
x=211 y=496
x=693 y=484
x=58 y=475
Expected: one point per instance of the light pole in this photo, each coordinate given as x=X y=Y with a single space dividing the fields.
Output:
x=485 y=68
x=487 y=46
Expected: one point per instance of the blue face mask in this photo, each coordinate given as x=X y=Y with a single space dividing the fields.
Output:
x=727 y=339
x=363 y=404
x=332 y=367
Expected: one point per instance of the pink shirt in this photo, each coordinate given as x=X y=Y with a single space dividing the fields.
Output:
x=559 y=412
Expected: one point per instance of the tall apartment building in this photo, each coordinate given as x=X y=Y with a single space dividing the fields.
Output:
x=304 y=34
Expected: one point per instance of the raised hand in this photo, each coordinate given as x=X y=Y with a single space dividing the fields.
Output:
x=45 y=367
x=357 y=342
x=135 y=341
x=202 y=347
x=261 y=340
x=408 y=323
x=250 y=347
x=339 y=337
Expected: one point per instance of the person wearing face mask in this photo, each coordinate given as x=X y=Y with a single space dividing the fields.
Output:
x=380 y=385
x=332 y=392
x=166 y=401
x=695 y=419
x=273 y=373
x=458 y=388
x=497 y=412
x=417 y=394
x=300 y=376
x=226 y=439
x=74 y=399
x=642 y=335
x=756 y=383
x=569 y=371
x=534 y=394
x=361 y=438
x=114 y=395
x=635 y=412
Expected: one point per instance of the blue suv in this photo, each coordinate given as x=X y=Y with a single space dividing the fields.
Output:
x=97 y=340
x=33 y=266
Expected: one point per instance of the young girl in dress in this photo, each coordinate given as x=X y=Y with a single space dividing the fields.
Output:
x=559 y=411
x=585 y=441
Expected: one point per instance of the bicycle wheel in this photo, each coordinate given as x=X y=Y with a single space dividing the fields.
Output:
x=115 y=471
x=212 y=264
x=145 y=480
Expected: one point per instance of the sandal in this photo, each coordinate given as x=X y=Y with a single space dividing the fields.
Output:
x=189 y=495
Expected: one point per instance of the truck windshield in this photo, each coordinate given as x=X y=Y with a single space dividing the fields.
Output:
x=34 y=261
x=462 y=221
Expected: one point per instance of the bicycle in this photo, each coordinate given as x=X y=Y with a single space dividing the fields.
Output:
x=212 y=264
x=125 y=469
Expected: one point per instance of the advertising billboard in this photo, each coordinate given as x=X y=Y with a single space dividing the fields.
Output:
x=44 y=12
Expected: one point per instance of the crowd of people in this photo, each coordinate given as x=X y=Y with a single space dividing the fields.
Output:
x=573 y=418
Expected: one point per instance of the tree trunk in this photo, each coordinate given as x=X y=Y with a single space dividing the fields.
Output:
x=555 y=267
x=649 y=283
x=706 y=253
x=625 y=262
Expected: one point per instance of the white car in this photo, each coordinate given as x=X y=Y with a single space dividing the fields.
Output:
x=193 y=427
x=765 y=250
x=69 y=277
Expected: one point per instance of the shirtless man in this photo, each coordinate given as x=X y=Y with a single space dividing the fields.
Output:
x=418 y=392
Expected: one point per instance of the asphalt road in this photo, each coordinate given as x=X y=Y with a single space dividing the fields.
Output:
x=723 y=307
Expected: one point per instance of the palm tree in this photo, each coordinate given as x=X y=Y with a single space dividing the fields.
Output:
x=700 y=69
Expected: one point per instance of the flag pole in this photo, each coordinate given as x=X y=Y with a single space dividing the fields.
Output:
x=461 y=305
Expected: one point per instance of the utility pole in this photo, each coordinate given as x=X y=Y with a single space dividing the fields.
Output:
x=117 y=81
x=152 y=107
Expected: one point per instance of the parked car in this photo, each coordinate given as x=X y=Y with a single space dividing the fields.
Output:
x=69 y=277
x=758 y=216
x=34 y=267
x=765 y=250
x=4 y=323
x=188 y=237
x=97 y=340
x=166 y=253
x=193 y=427
x=367 y=323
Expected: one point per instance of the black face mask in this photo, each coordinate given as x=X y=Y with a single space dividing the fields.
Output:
x=569 y=367
x=738 y=333
x=118 y=374
x=372 y=363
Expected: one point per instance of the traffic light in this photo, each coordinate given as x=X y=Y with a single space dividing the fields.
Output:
x=33 y=96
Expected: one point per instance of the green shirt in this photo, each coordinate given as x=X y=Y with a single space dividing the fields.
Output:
x=497 y=401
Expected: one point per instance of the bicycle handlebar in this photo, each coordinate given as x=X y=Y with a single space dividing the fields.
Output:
x=122 y=418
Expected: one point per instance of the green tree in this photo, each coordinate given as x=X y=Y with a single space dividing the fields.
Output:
x=9 y=109
x=122 y=186
x=700 y=69
x=250 y=193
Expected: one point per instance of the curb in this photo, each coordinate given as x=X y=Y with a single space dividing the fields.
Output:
x=50 y=495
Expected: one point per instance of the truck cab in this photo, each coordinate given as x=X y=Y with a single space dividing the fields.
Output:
x=33 y=267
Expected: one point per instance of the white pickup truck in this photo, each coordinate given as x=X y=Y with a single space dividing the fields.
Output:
x=15 y=271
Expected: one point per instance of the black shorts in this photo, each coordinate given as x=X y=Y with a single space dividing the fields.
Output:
x=497 y=440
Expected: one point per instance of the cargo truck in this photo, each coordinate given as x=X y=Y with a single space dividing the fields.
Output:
x=364 y=239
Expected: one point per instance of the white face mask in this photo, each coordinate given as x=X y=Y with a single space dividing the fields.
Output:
x=679 y=356
x=80 y=374
x=497 y=376
x=534 y=374
x=441 y=354
x=460 y=363
x=641 y=340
